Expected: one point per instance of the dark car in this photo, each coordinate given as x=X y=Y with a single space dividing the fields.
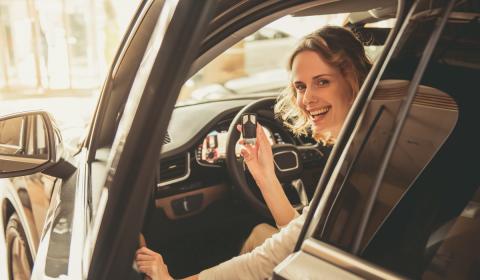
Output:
x=397 y=197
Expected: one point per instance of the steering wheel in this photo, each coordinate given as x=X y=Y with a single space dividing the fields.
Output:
x=288 y=158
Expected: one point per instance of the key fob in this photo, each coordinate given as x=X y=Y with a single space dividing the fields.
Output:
x=249 y=128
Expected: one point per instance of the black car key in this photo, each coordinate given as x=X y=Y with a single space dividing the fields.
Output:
x=249 y=128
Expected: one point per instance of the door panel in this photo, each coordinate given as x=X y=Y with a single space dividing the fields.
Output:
x=136 y=149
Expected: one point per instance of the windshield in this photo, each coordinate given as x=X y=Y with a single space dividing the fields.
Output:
x=256 y=64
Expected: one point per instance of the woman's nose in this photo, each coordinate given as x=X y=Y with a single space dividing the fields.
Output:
x=309 y=96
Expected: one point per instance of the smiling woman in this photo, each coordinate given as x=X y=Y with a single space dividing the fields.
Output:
x=327 y=69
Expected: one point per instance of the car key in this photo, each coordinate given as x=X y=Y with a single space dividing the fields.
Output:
x=249 y=128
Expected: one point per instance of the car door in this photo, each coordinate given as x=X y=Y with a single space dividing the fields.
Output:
x=134 y=154
x=407 y=150
x=68 y=241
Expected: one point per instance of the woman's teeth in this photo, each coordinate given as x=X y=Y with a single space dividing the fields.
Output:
x=322 y=111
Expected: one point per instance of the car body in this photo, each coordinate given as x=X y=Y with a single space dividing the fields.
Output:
x=169 y=171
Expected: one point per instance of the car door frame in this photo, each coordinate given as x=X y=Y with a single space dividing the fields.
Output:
x=135 y=152
x=72 y=198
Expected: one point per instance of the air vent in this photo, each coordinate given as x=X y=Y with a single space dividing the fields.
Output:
x=167 y=139
x=174 y=169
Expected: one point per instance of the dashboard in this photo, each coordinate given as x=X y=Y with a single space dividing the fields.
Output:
x=212 y=150
x=192 y=172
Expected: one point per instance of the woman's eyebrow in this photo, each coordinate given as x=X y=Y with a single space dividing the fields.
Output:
x=321 y=76
x=313 y=78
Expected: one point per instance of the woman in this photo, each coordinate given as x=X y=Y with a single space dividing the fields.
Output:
x=327 y=69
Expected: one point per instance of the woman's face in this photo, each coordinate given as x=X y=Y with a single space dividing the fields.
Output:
x=322 y=93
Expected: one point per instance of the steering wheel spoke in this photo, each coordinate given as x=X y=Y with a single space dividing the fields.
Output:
x=311 y=155
x=302 y=194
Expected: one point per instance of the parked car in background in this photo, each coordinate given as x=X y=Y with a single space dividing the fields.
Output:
x=397 y=198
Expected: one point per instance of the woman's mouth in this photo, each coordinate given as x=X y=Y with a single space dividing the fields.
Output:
x=319 y=114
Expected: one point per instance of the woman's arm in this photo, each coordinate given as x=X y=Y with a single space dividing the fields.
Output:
x=259 y=160
x=277 y=201
x=258 y=264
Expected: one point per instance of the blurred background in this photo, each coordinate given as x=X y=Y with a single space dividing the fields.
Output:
x=59 y=46
x=54 y=55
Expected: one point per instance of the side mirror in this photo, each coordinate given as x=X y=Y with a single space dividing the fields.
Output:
x=30 y=143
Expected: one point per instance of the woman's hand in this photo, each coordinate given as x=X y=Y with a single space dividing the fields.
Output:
x=151 y=263
x=259 y=158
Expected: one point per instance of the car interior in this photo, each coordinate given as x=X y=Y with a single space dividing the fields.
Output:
x=198 y=218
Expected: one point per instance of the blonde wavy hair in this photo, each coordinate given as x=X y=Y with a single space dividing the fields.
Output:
x=340 y=48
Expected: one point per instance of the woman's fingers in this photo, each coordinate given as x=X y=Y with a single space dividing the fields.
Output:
x=247 y=155
x=152 y=264
x=143 y=257
x=146 y=269
x=145 y=250
x=261 y=135
x=144 y=263
x=248 y=152
x=145 y=254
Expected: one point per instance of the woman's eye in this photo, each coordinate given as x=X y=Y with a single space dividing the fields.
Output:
x=300 y=88
x=322 y=82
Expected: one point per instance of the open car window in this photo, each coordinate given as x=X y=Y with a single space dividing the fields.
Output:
x=257 y=63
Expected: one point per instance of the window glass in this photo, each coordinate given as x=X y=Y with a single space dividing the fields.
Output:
x=41 y=138
x=11 y=135
x=256 y=64
x=416 y=227
x=30 y=145
x=36 y=143
x=420 y=139
x=353 y=185
x=37 y=138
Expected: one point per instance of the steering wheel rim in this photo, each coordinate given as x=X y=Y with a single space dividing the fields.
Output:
x=235 y=166
x=233 y=163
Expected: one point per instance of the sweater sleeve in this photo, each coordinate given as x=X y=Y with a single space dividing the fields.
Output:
x=259 y=263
